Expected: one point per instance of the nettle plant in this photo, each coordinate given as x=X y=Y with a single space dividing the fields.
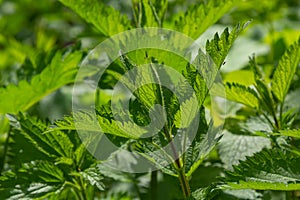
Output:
x=42 y=160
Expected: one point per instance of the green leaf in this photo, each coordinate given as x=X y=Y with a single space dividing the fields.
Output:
x=285 y=71
x=121 y=129
x=53 y=143
x=93 y=176
x=83 y=121
x=160 y=8
x=266 y=99
x=234 y=148
x=243 y=77
x=146 y=15
x=114 y=173
x=201 y=16
x=246 y=194
x=219 y=47
x=266 y=170
x=188 y=111
x=48 y=172
x=60 y=72
x=258 y=75
x=105 y=19
x=16 y=50
x=79 y=121
x=290 y=133
x=242 y=94
x=33 y=191
x=205 y=140
x=33 y=180
x=206 y=193
x=158 y=156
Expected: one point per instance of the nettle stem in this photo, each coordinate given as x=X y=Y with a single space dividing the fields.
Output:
x=185 y=186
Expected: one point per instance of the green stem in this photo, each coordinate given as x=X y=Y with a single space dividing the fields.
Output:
x=185 y=187
x=82 y=189
x=184 y=183
x=168 y=134
x=77 y=196
x=138 y=193
x=280 y=114
x=153 y=185
x=97 y=97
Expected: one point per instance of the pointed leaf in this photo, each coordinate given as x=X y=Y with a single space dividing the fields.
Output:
x=266 y=170
x=94 y=177
x=218 y=47
x=146 y=14
x=105 y=19
x=242 y=94
x=50 y=143
x=291 y=133
x=200 y=16
x=285 y=71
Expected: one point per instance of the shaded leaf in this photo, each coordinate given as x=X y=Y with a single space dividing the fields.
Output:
x=234 y=148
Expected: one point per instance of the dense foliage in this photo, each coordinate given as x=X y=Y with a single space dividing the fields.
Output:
x=255 y=48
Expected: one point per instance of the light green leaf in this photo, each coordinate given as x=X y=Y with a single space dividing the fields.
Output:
x=241 y=94
x=219 y=47
x=291 y=133
x=202 y=15
x=243 y=77
x=285 y=71
x=188 y=111
x=61 y=71
x=234 y=148
x=105 y=19
x=17 y=51
x=266 y=170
